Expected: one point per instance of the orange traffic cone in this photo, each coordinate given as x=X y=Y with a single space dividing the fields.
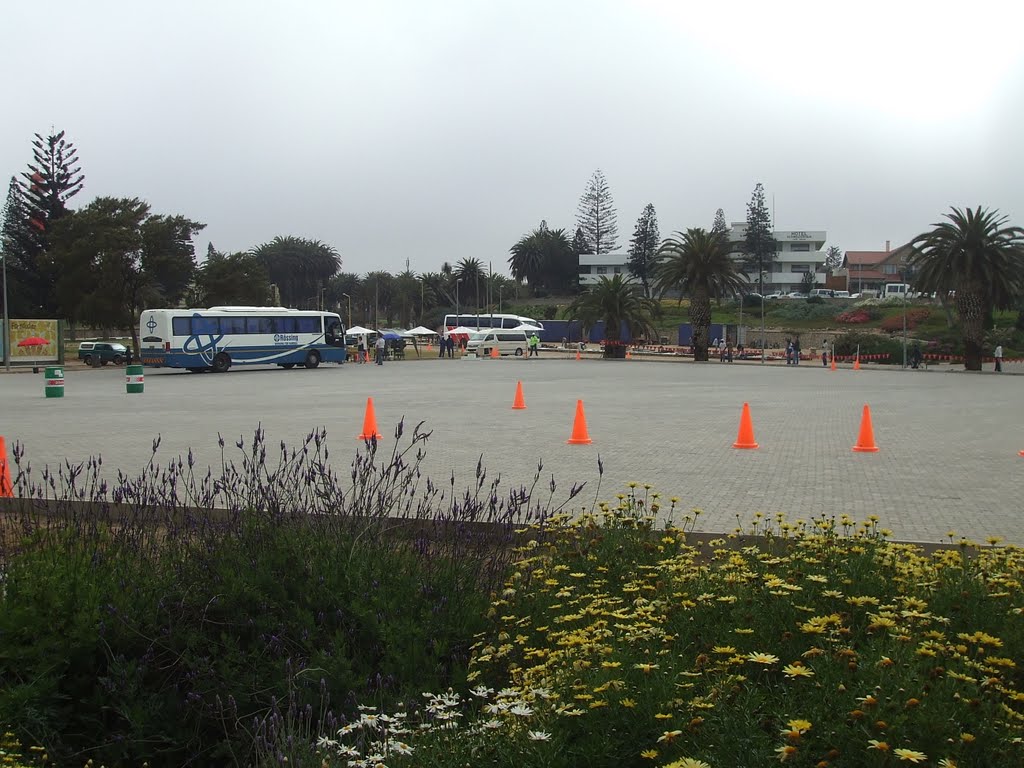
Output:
x=430 y=347
x=495 y=353
x=577 y=354
x=6 y=486
x=370 y=423
x=833 y=366
x=518 y=402
x=745 y=437
x=628 y=355
x=856 y=363
x=866 y=439
x=579 y=427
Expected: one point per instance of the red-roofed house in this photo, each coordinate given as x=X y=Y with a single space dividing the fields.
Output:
x=871 y=270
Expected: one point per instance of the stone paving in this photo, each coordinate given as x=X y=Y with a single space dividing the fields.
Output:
x=949 y=441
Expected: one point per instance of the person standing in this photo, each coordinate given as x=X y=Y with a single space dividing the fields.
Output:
x=534 y=346
x=443 y=345
x=796 y=351
x=364 y=355
x=451 y=346
x=379 y=346
x=999 y=358
x=789 y=352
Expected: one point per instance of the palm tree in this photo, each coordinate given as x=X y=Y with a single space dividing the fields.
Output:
x=300 y=268
x=545 y=258
x=696 y=264
x=618 y=304
x=471 y=270
x=976 y=255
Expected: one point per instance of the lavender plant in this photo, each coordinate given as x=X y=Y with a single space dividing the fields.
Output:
x=186 y=614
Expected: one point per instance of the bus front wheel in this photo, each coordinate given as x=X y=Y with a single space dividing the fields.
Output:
x=221 y=362
x=312 y=360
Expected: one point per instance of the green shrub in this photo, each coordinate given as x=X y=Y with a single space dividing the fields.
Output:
x=149 y=633
x=870 y=344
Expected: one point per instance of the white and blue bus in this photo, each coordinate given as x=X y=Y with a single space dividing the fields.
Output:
x=492 y=320
x=219 y=337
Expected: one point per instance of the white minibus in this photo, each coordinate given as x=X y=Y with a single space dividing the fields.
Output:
x=508 y=342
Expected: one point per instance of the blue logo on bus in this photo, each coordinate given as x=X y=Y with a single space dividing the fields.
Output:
x=151 y=324
x=203 y=344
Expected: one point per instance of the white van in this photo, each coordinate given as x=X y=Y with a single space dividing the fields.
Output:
x=508 y=342
x=825 y=293
x=896 y=291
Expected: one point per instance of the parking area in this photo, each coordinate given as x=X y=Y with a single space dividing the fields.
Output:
x=948 y=458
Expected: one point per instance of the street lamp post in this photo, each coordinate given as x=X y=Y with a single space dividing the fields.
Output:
x=349 y=308
x=5 y=331
x=457 y=310
x=762 y=316
x=500 y=289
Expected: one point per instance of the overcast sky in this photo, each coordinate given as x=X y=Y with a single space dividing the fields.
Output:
x=437 y=130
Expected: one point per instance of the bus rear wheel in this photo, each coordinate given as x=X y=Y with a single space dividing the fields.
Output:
x=312 y=360
x=221 y=362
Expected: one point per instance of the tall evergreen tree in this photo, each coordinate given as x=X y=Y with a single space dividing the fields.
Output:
x=580 y=245
x=596 y=215
x=16 y=246
x=720 y=228
x=759 y=240
x=833 y=259
x=643 y=247
x=52 y=179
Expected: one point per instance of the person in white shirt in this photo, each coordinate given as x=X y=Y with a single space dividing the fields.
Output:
x=999 y=358
x=379 y=346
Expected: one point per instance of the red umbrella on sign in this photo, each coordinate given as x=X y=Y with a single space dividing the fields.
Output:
x=33 y=341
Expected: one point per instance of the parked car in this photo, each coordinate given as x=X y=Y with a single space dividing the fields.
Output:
x=102 y=351
x=796 y=295
x=841 y=295
x=825 y=293
x=772 y=296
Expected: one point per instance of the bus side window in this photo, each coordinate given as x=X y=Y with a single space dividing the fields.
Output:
x=287 y=324
x=205 y=326
x=181 y=326
x=308 y=324
x=232 y=325
x=252 y=325
x=268 y=325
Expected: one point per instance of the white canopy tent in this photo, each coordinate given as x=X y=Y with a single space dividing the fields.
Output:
x=419 y=330
x=358 y=330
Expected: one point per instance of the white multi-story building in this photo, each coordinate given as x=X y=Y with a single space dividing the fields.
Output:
x=594 y=266
x=797 y=252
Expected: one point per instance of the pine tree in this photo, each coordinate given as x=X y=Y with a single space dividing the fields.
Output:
x=833 y=259
x=52 y=179
x=643 y=246
x=758 y=242
x=579 y=243
x=720 y=227
x=596 y=215
x=18 y=245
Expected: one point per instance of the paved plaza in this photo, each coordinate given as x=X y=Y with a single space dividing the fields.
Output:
x=949 y=441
